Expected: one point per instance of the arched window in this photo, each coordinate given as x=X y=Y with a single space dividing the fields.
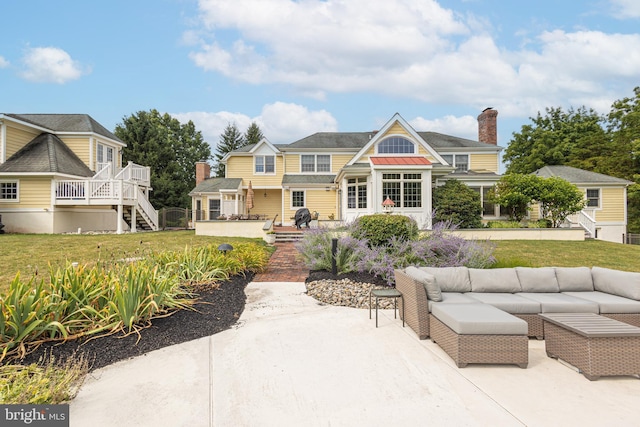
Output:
x=396 y=145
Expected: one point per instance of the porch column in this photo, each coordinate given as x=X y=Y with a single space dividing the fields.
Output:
x=120 y=220
x=134 y=212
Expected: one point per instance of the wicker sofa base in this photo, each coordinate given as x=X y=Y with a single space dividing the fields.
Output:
x=490 y=349
x=594 y=356
x=534 y=322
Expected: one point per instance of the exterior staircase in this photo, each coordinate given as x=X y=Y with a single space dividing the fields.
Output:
x=288 y=234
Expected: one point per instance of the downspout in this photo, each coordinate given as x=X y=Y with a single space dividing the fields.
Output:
x=3 y=142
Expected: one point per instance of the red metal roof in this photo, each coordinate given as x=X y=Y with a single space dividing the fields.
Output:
x=400 y=160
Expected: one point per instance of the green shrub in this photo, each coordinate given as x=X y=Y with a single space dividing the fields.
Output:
x=378 y=229
x=503 y=224
x=458 y=204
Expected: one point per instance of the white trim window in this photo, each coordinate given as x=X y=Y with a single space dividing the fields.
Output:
x=593 y=198
x=265 y=164
x=315 y=163
x=298 y=199
x=357 y=193
x=405 y=189
x=9 y=191
x=104 y=154
x=459 y=161
x=396 y=145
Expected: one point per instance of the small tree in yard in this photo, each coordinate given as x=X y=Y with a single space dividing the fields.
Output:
x=515 y=192
x=458 y=203
x=558 y=199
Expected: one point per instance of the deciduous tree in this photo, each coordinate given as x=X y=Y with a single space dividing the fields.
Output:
x=169 y=148
x=458 y=203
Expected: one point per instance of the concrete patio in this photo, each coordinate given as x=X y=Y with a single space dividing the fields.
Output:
x=292 y=362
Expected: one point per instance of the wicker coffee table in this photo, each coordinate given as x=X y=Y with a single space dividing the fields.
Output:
x=596 y=345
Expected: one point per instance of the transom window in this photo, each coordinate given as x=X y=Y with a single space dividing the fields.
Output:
x=357 y=193
x=9 y=190
x=315 y=163
x=396 y=145
x=405 y=189
x=297 y=199
x=593 y=197
x=460 y=161
x=265 y=164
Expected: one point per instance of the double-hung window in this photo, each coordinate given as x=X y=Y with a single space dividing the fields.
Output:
x=9 y=191
x=460 y=161
x=315 y=163
x=265 y=164
x=405 y=189
x=593 y=197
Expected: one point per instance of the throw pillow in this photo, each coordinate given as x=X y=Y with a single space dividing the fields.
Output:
x=428 y=281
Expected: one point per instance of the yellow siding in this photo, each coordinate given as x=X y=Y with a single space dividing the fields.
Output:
x=484 y=162
x=18 y=138
x=80 y=146
x=397 y=129
x=338 y=161
x=34 y=193
x=317 y=200
x=242 y=167
x=293 y=163
x=270 y=205
x=612 y=205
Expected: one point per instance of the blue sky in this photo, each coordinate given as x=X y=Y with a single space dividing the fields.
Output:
x=299 y=67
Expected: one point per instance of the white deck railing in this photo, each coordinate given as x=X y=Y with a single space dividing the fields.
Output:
x=148 y=209
x=135 y=173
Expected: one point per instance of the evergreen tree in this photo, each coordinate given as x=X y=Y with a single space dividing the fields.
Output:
x=458 y=203
x=231 y=139
x=253 y=135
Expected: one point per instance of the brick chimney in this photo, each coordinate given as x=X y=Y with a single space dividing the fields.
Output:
x=203 y=171
x=488 y=126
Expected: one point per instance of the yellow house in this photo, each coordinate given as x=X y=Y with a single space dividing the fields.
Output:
x=343 y=175
x=64 y=173
x=605 y=214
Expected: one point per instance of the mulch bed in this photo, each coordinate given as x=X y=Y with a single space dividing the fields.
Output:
x=217 y=310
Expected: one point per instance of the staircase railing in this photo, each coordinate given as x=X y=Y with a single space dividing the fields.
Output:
x=135 y=173
x=585 y=219
x=145 y=206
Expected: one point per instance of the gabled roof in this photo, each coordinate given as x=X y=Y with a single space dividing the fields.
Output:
x=215 y=185
x=331 y=140
x=61 y=123
x=442 y=141
x=579 y=176
x=46 y=153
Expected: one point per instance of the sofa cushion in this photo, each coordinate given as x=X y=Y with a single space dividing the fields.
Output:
x=453 y=298
x=479 y=319
x=450 y=279
x=561 y=303
x=511 y=303
x=494 y=280
x=616 y=282
x=537 y=279
x=427 y=280
x=608 y=303
x=574 y=279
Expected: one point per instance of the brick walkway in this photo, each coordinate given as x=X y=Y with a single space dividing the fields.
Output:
x=285 y=265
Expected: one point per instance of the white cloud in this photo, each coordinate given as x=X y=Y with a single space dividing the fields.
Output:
x=50 y=65
x=411 y=48
x=281 y=123
x=3 y=62
x=626 y=9
x=463 y=127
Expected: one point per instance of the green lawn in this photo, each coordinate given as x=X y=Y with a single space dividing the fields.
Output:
x=29 y=253
x=549 y=253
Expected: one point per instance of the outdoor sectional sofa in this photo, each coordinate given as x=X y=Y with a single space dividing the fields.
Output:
x=522 y=292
